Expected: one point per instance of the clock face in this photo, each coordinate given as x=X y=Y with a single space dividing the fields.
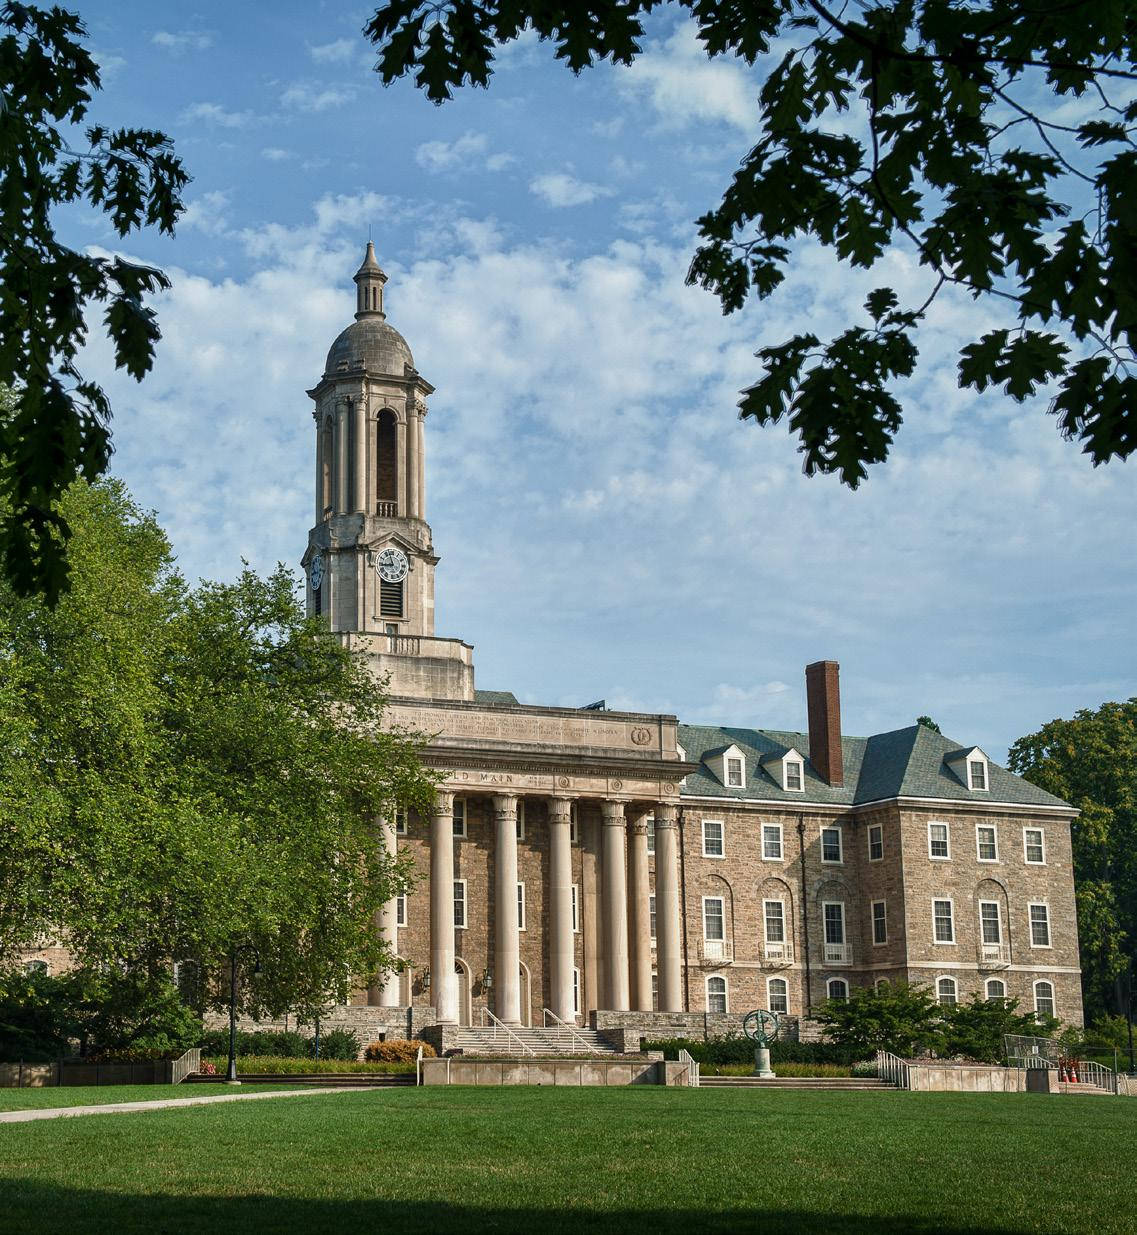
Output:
x=316 y=571
x=392 y=565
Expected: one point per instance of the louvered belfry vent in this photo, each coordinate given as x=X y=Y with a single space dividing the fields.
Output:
x=390 y=599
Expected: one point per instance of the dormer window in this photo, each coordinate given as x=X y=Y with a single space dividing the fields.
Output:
x=734 y=773
x=787 y=770
x=977 y=773
x=793 y=775
x=970 y=767
x=729 y=764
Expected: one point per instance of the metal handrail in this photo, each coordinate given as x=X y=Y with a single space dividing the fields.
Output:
x=1097 y=1074
x=685 y=1057
x=571 y=1031
x=510 y=1036
x=893 y=1069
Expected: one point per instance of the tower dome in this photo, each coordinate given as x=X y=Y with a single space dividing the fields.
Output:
x=370 y=340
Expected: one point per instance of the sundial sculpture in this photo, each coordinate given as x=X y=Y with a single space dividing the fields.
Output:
x=761 y=1027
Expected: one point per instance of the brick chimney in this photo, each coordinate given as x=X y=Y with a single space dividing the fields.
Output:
x=823 y=700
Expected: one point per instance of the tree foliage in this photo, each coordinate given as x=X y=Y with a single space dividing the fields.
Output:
x=925 y=123
x=192 y=774
x=1091 y=761
x=56 y=428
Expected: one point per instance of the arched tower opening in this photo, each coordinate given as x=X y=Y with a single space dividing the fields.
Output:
x=387 y=464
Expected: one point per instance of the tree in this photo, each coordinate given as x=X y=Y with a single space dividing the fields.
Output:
x=950 y=151
x=1091 y=761
x=55 y=427
x=194 y=773
x=892 y=1017
x=928 y=723
x=976 y=1030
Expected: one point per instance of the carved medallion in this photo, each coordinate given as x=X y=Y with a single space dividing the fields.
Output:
x=640 y=735
x=563 y=781
x=616 y=785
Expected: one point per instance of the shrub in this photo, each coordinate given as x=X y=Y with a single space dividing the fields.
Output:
x=892 y=1017
x=275 y=1065
x=336 y=1044
x=208 y=1068
x=975 y=1029
x=398 y=1050
x=864 y=1067
x=286 y=1043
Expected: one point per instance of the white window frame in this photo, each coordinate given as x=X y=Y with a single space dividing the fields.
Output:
x=717 y=977
x=831 y=982
x=574 y=825
x=825 y=940
x=520 y=818
x=458 y=815
x=651 y=916
x=576 y=990
x=993 y=829
x=1053 y=997
x=781 y=843
x=521 y=904
x=650 y=836
x=1041 y=844
x=722 y=839
x=784 y=993
x=731 y=772
x=766 y=921
x=991 y=943
x=654 y=991
x=879 y=829
x=400 y=821
x=576 y=908
x=944 y=900
x=461 y=926
x=947 y=977
x=879 y=943
x=986 y=786
x=939 y=857
x=707 y=938
x=800 y=766
x=401 y=909
x=839 y=860
x=1030 y=925
x=987 y=988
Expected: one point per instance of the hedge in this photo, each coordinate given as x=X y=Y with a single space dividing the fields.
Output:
x=738 y=1050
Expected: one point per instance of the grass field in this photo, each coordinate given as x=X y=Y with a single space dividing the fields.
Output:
x=583 y=1160
x=100 y=1095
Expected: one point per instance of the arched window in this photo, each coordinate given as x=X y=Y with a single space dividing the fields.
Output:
x=777 y=995
x=387 y=464
x=837 y=988
x=996 y=988
x=35 y=967
x=946 y=992
x=1044 y=998
x=716 y=996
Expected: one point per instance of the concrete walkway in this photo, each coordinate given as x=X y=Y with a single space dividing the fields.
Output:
x=115 y=1108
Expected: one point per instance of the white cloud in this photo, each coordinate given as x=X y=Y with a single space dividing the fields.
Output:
x=276 y=154
x=337 y=52
x=683 y=84
x=309 y=97
x=439 y=156
x=562 y=189
x=183 y=40
x=215 y=114
x=208 y=213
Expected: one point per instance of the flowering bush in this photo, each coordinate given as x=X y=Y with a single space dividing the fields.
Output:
x=208 y=1068
x=397 y=1050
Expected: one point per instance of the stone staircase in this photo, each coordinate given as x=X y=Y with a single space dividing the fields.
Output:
x=843 y=1084
x=550 y=1040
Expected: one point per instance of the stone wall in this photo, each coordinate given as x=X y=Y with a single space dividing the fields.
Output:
x=560 y=1072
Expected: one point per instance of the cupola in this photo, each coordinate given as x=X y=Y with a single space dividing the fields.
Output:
x=369 y=280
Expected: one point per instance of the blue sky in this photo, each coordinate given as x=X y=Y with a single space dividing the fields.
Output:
x=608 y=527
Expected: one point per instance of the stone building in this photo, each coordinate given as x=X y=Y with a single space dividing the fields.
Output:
x=601 y=865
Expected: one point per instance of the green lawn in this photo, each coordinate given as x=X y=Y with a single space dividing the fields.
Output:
x=583 y=1160
x=100 y=1095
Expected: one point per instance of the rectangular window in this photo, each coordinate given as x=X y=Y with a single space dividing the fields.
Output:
x=775 y=914
x=520 y=820
x=1044 y=998
x=778 y=998
x=986 y=842
x=576 y=908
x=651 y=836
x=793 y=775
x=714 y=923
x=459 y=816
x=655 y=992
x=834 y=918
x=459 y=902
x=716 y=996
x=576 y=990
x=400 y=910
x=574 y=826
x=943 y=928
x=1033 y=849
x=772 y=842
x=876 y=842
x=734 y=773
x=1039 y=926
x=939 y=842
x=520 y=906
x=978 y=774
x=831 y=844
x=712 y=838
x=400 y=821
x=651 y=914
x=879 y=923
x=990 y=926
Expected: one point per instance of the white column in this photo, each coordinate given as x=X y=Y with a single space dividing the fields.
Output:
x=667 y=947
x=402 y=487
x=319 y=469
x=639 y=913
x=615 y=884
x=420 y=459
x=359 y=455
x=561 y=949
x=385 y=993
x=443 y=980
x=413 y=505
x=341 y=476
x=507 y=943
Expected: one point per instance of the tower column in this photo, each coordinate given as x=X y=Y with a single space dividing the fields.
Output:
x=561 y=951
x=413 y=500
x=385 y=994
x=443 y=980
x=401 y=467
x=667 y=947
x=340 y=482
x=639 y=912
x=507 y=943
x=615 y=893
x=319 y=467
x=359 y=455
x=420 y=459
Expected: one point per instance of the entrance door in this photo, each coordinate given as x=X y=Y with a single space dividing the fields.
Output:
x=465 y=1010
x=526 y=1000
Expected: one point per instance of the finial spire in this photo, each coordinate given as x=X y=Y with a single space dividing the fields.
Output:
x=369 y=280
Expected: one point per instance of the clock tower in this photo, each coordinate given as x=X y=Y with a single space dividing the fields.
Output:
x=370 y=559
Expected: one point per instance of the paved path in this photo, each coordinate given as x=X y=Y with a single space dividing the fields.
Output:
x=114 y=1108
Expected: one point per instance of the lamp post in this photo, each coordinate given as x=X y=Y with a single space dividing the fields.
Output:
x=231 y=1069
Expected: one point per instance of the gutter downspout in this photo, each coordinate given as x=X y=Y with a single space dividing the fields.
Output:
x=805 y=915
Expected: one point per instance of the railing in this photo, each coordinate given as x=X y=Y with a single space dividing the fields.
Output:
x=717 y=951
x=404 y=645
x=185 y=1065
x=994 y=955
x=1097 y=1074
x=778 y=954
x=564 y=1029
x=838 y=954
x=893 y=1069
x=387 y=510
x=692 y=1067
x=506 y=1033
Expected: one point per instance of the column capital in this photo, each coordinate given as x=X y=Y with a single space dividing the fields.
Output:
x=505 y=805
x=443 y=802
x=666 y=815
x=613 y=813
x=560 y=809
x=636 y=814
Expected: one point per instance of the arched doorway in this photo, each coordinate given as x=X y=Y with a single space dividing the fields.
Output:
x=465 y=1010
x=405 y=986
x=526 y=996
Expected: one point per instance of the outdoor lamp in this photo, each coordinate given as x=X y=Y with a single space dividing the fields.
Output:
x=426 y=979
x=487 y=980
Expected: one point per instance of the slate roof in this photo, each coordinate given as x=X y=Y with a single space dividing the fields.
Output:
x=904 y=763
x=502 y=697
